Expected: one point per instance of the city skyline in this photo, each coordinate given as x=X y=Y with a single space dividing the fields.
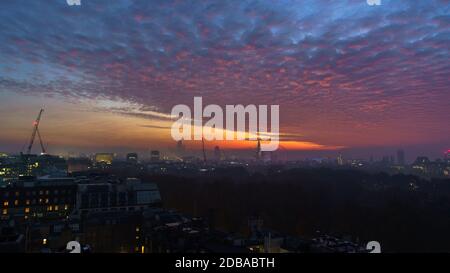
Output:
x=347 y=76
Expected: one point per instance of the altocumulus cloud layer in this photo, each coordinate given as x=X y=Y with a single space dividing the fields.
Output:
x=343 y=72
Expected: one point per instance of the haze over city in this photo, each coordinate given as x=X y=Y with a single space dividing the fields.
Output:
x=347 y=76
x=223 y=134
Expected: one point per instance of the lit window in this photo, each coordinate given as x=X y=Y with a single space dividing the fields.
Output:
x=16 y=202
x=137 y=229
x=56 y=208
x=6 y=203
x=66 y=207
x=44 y=241
x=50 y=208
x=40 y=200
x=27 y=210
x=46 y=200
x=5 y=211
x=27 y=202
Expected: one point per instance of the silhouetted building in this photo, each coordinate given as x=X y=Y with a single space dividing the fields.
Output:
x=180 y=148
x=422 y=160
x=131 y=195
x=33 y=165
x=30 y=198
x=340 y=160
x=113 y=231
x=10 y=240
x=400 y=157
x=266 y=156
x=78 y=165
x=217 y=153
x=132 y=158
x=385 y=160
x=255 y=225
x=104 y=158
x=155 y=155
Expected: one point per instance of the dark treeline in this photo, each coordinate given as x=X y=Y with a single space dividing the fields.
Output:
x=402 y=212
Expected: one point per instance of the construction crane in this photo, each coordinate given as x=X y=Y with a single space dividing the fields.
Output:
x=36 y=131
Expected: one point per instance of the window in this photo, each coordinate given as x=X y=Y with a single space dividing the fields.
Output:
x=5 y=211
x=56 y=208
x=27 y=210
x=66 y=207
x=6 y=203
x=46 y=200
x=16 y=202
x=50 y=208
x=27 y=202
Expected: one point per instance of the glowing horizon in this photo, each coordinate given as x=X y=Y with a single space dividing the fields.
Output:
x=345 y=74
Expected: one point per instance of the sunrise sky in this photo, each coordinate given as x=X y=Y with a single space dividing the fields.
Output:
x=345 y=74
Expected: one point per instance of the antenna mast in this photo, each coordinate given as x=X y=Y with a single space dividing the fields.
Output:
x=203 y=147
